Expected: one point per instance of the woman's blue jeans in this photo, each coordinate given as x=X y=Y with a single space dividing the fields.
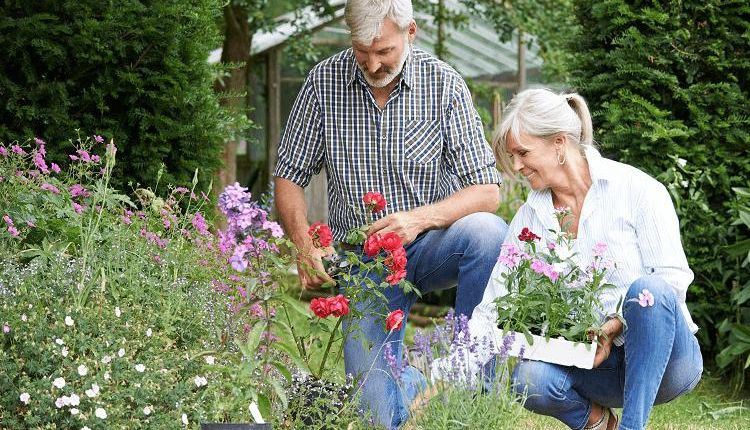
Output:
x=462 y=255
x=659 y=361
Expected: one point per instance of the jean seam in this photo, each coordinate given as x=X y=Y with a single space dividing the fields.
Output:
x=437 y=267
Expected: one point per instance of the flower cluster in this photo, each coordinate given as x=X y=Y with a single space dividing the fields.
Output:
x=395 y=252
x=320 y=234
x=337 y=306
x=547 y=292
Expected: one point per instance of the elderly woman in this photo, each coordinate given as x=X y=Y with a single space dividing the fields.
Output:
x=649 y=354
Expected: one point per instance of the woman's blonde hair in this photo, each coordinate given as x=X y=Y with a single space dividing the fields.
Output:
x=544 y=114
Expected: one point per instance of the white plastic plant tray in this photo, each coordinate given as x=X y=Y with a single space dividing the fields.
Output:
x=553 y=350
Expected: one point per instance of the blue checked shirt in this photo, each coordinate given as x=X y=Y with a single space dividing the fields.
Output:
x=424 y=145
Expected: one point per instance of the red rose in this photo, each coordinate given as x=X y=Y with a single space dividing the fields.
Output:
x=372 y=245
x=527 y=235
x=396 y=276
x=320 y=234
x=320 y=307
x=374 y=201
x=394 y=320
x=390 y=241
x=339 y=305
x=396 y=260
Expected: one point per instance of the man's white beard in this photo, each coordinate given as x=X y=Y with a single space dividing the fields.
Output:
x=380 y=83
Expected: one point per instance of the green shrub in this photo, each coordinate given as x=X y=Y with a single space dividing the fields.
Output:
x=669 y=88
x=129 y=70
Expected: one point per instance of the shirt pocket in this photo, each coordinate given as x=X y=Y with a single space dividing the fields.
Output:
x=423 y=141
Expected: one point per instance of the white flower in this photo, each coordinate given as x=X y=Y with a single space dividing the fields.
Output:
x=59 y=402
x=184 y=419
x=148 y=332
x=210 y=359
x=85 y=428
x=140 y=368
x=684 y=184
x=83 y=370
x=682 y=162
x=64 y=351
x=25 y=398
x=74 y=400
x=200 y=381
x=24 y=317
x=93 y=391
x=106 y=375
x=59 y=382
x=69 y=321
x=74 y=411
x=147 y=410
x=106 y=359
x=121 y=352
x=100 y=413
x=117 y=312
x=59 y=341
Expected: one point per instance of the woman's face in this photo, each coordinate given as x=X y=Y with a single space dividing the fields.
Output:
x=536 y=159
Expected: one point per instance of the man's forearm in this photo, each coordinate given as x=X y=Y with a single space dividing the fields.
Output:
x=292 y=210
x=475 y=198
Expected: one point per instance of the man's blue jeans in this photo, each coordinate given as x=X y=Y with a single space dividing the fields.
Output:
x=462 y=255
x=659 y=361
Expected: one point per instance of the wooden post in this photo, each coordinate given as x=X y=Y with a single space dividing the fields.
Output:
x=521 y=62
x=273 y=105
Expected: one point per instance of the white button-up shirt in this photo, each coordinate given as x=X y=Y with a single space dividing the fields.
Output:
x=626 y=209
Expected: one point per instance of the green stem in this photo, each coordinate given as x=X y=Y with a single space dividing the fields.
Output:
x=328 y=348
x=294 y=335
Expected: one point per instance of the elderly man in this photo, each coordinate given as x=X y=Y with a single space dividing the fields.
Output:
x=386 y=116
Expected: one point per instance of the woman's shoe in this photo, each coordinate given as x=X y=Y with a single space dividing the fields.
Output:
x=608 y=421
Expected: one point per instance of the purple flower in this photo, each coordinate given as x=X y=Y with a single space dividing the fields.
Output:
x=238 y=262
x=72 y=157
x=50 y=187
x=511 y=256
x=84 y=155
x=396 y=370
x=8 y=220
x=38 y=141
x=538 y=266
x=95 y=158
x=77 y=190
x=40 y=163
x=181 y=190
x=6 y=328
x=233 y=197
x=18 y=150
x=3 y=151
x=98 y=139
x=274 y=228
x=551 y=246
x=55 y=168
x=77 y=208
x=199 y=223
x=13 y=231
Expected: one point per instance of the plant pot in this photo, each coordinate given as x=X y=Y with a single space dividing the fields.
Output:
x=234 y=426
x=554 y=350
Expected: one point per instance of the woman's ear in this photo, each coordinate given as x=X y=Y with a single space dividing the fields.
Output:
x=560 y=141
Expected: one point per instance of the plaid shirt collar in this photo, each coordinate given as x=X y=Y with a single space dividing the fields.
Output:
x=406 y=77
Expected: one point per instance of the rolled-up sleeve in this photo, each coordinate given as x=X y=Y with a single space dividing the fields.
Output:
x=468 y=155
x=301 y=148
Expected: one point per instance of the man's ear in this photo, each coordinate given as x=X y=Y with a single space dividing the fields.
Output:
x=412 y=31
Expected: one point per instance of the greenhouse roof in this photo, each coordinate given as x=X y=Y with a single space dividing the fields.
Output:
x=474 y=50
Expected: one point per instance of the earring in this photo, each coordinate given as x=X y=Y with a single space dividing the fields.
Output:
x=560 y=159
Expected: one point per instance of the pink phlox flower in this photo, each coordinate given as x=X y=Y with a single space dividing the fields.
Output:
x=72 y=157
x=13 y=231
x=84 y=155
x=95 y=158
x=77 y=208
x=181 y=190
x=233 y=197
x=18 y=150
x=645 y=298
x=511 y=255
x=39 y=141
x=3 y=151
x=98 y=139
x=55 y=168
x=50 y=187
x=538 y=266
x=8 y=220
x=199 y=223
x=238 y=262
x=551 y=273
x=274 y=228
x=226 y=241
x=40 y=163
x=77 y=190
x=600 y=248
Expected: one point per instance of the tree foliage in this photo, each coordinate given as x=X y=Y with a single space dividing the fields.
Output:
x=135 y=71
x=669 y=87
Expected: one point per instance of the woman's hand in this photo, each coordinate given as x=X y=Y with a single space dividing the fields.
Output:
x=605 y=335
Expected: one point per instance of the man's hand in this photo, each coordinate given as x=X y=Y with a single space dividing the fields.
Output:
x=310 y=268
x=407 y=225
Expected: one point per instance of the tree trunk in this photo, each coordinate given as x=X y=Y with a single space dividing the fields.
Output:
x=236 y=49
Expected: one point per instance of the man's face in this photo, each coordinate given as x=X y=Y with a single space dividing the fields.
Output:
x=382 y=61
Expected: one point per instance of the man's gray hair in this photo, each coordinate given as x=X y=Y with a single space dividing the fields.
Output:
x=365 y=17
